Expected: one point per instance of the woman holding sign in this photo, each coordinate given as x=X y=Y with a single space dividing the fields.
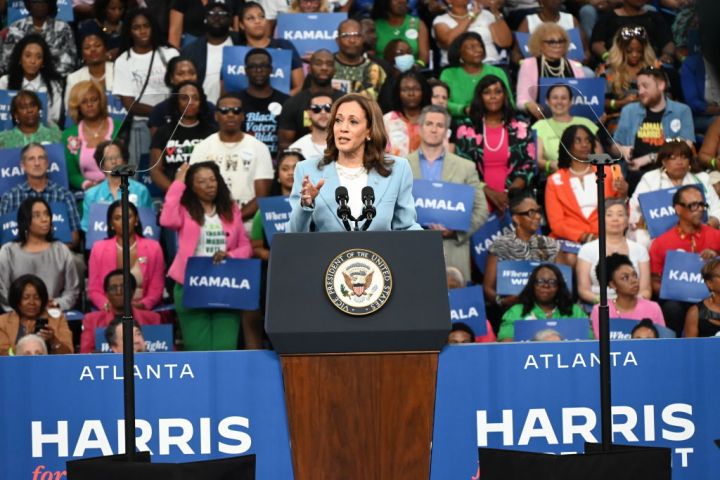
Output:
x=199 y=206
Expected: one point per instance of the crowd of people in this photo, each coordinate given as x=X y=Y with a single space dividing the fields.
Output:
x=453 y=91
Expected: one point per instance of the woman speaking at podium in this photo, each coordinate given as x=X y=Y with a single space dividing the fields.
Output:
x=354 y=159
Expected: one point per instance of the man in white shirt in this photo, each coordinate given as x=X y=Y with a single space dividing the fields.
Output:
x=314 y=143
x=244 y=161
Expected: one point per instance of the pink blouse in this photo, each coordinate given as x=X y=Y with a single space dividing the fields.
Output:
x=496 y=155
x=88 y=167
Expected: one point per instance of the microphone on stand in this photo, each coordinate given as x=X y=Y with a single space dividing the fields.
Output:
x=368 y=211
x=343 y=211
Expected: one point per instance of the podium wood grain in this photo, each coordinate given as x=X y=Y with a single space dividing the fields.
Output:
x=360 y=416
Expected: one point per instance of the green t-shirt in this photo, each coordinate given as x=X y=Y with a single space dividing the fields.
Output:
x=550 y=131
x=462 y=86
x=507 y=327
x=15 y=138
x=409 y=31
x=257 y=231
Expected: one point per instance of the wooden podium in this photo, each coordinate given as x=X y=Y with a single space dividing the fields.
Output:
x=359 y=390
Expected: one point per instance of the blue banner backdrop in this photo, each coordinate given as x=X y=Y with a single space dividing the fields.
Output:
x=575 y=49
x=12 y=174
x=467 y=305
x=233 y=69
x=512 y=275
x=233 y=283
x=681 y=278
x=485 y=235
x=567 y=328
x=309 y=32
x=17 y=10
x=275 y=213
x=443 y=203
x=588 y=95
x=6 y=97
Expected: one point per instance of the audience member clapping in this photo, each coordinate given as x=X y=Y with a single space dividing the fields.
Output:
x=25 y=110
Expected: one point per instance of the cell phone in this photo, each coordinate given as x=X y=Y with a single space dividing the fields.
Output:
x=40 y=323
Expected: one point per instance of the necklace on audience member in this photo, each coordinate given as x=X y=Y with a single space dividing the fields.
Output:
x=132 y=245
x=550 y=70
x=458 y=17
x=485 y=139
x=624 y=310
x=94 y=133
x=579 y=174
x=95 y=79
x=190 y=125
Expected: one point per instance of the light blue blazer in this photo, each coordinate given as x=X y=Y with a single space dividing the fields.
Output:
x=393 y=199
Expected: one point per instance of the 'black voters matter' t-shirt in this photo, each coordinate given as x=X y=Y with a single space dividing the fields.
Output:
x=180 y=146
x=261 y=117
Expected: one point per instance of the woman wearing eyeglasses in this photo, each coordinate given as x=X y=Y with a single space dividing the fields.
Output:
x=550 y=12
x=548 y=46
x=411 y=92
x=545 y=296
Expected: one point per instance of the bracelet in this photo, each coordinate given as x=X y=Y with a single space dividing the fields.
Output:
x=548 y=167
x=498 y=300
x=605 y=55
x=420 y=62
x=471 y=16
x=613 y=104
x=713 y=163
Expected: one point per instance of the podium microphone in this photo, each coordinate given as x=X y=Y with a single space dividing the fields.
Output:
x=343 y=211
x=368 y=211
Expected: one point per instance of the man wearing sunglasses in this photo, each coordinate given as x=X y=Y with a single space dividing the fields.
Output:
x=690 y=234
x=314 y=143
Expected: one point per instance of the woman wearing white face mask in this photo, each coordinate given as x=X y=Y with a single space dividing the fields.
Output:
x=398 y=54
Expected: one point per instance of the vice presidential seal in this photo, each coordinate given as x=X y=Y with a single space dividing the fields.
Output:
x=358 y=281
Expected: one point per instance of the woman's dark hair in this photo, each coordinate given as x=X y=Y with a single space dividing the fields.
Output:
x=126 y=41
x=92 y=32
x=223 y=201
x=276 y=188
x=613 y=262
x=23 y=94
x=100 y=151
x=172 y=65
x=463 y=327
x=645 y=323
x=118 y=273
x=516 y=196
x=389 y=52
x=563 y=299
x=48 y=74
x=100 y=9
x=453 y=52
x=566 y=143
x=24 y=219
x=17 y=287
x=561 y=85
x=52 y=7
x=380 y=9
x=477 y=107
x=424 y=87
x=118 y=204
x=677 y=147
x=248 y=5
x=434 y=82
x=204 y=115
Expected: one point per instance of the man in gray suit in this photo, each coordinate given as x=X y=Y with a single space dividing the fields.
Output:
x=433 y=162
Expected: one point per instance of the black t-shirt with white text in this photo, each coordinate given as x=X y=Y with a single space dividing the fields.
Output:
x=180 y=146
x=261 y=117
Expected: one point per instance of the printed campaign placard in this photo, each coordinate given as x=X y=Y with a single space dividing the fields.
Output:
x=575 y=49
x=275 y=213
x=565 y=328
x=485 y=235
x=6 y=97
x=233 y=284
x=588 y=95
x=443 y=203
x=61 y=224
x=158 y=338
x=621 y=329
x=512 y=275
x=467 y=305
x=681 y=278
x=569 y=247
x=233 y=69
x=310 y=32
x=12 y=174
x=97 y=226
x=658 y=210
x=16 y=11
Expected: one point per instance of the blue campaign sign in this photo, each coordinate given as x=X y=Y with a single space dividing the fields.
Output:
x=232 y=283
x=485 y=235
x=61 y=224
x=544 y=397
x=658 y=210
x=97 y=225
x=621 y=329
x=512 y=275
x=467 y=305
x=575 y=49
x=6 y=97
x=566 y=328
x=12 y=174
x=233 y=69
x=17 y=11
x=158 y=338
x=588 y=95
x=443 y=203
x=681 y=278
x=569 y=247
x=275 y=212
x=190 y=407
x=309 y=32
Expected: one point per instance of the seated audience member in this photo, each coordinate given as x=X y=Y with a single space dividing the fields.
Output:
x=108 y=19
x=41 y=22
x=549 y=130
x=31 y=344
x=25 y=115
x=497 y=142
x=179 y=70
x=314 y=143
x=146 y=261
x=34 y=162
x=200 y=207
x=548 y=46
x=114 y=307
x=677 y=167
x=36 y=252
x=623 y=279
x=398 y=55
x=550 y=12
x=455 y=279
x=644 y=125
x=644 y=329
x=112 y=154
x=440 y=92
x=173 y=144
x=190 y=20
x=616 y=223
x=571 y=193
x=433 y=162
x=32 y=312
x=393 y=21
x=547 y=335
x=710 y=151
x=466 y=57
x=88 y=108
x=97 y=68
x=517 y=10
x=460 y=333
x=353 y=68
x=700 y=90
x=411 y=93
x=545 y=296
x=312 y=6
x=703 y=318
x=114 y=336
x=689 y=235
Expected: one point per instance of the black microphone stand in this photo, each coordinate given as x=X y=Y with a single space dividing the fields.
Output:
x=125 y=172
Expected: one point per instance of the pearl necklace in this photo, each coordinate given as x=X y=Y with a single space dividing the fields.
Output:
x=579 y=174
x=487 y=145
x=550 y=70
x=349 y=173
x=458 y=17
